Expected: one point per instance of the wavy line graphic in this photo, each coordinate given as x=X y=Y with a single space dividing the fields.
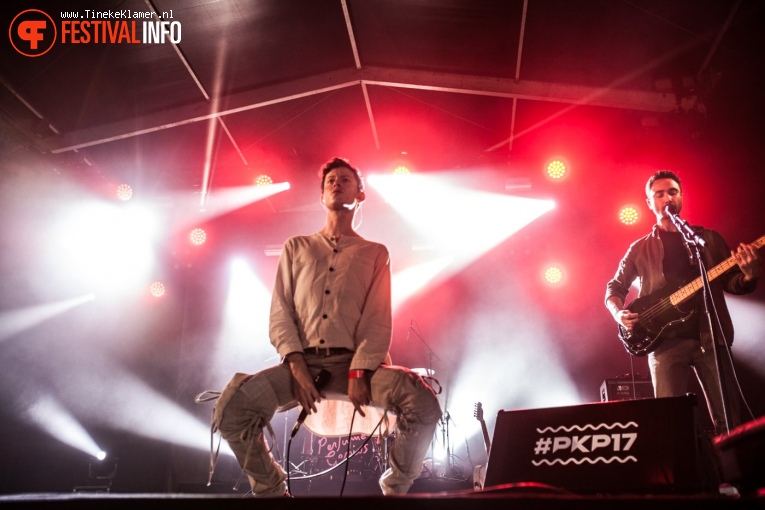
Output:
x=589 y=426
x=581 y=461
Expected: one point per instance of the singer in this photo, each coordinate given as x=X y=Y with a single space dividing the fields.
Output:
x=330 y=310
x=664 y=260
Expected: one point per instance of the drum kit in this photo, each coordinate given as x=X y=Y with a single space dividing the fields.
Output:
x=320 y=454
x=369 y=454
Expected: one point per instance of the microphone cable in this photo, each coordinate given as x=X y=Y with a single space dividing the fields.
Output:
x=348 y=451
x=321 y=380
x=344 y=461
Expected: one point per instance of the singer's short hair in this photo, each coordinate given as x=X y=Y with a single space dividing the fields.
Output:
x=341 y=163
x=662 y=174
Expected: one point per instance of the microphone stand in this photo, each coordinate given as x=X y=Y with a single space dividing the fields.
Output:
x=694 y=241
x=707 y=294
x=431 y=355
x=449 y=468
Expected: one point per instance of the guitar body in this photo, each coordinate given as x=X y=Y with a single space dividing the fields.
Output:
x=664 y=308
x=656 y=314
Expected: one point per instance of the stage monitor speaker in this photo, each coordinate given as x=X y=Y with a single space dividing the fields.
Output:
x=622 y=389
x=634 y=446
x=742 y=456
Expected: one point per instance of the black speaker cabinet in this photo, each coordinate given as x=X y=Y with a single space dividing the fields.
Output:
x=742 y=455
x=633 y=446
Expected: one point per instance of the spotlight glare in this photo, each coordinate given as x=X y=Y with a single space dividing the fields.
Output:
x=12 y=322
x=412 y=279
x=197 y=236
x=401 y=170
x=629 y=215
x=427 y=203
x=51 y=416
x=101 y=455
x=245 y=317
x=109 y=247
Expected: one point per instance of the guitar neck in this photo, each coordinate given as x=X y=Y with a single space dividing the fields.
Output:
x=486 y=440
x=688 y=290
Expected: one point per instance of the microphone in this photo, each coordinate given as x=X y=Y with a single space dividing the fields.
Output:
x=671 y=211
x=319 y=381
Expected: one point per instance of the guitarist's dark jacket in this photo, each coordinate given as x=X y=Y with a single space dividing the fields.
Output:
x=644 y=261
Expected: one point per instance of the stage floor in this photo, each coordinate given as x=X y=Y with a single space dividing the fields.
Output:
x=520 y=496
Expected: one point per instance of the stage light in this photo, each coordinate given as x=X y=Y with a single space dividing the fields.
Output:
x=629 y=215
x=556 y=169
x=553 y=275
x=263 y=180
x=401 y=170
x=50 y=415
x=124 y=192
x=157 y=289
x=103 y=468
x=197 y=236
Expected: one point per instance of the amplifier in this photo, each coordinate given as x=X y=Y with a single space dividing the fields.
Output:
x=633 y=446
x=622 y=389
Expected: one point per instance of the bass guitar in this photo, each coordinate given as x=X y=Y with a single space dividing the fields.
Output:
x=664 y=308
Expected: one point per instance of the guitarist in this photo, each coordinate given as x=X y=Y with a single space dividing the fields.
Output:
x=662 y=260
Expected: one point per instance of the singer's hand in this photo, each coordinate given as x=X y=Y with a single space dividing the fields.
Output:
x=303 y=387
x=360 y=393
x=748 y=260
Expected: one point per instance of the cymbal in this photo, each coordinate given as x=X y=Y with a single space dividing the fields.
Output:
x=424 y=371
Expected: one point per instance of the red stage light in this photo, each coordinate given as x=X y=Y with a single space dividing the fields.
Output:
x=553 y=275
x=556 y=169
x=157 y=289
x=629 y=215
x=124 y=192
x=198 y=236
x=263 y=180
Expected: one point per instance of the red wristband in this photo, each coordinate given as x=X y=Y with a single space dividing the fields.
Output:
x=356 y=374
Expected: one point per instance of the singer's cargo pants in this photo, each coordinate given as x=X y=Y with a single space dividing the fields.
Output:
x=248 y=404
